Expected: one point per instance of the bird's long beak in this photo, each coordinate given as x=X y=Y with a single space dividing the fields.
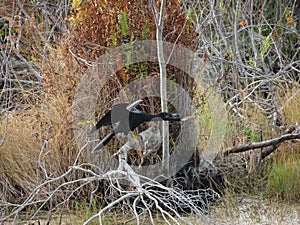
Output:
x=186 y=118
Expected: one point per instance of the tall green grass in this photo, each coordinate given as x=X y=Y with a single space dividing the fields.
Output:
x=284 y=179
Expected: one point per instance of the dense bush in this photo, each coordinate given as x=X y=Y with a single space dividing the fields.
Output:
x=252 y=47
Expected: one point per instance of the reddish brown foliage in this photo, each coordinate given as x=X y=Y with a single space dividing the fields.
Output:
x=97 y=29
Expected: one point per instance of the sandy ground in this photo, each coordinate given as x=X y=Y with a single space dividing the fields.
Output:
x=238 y=211
x=252 y=211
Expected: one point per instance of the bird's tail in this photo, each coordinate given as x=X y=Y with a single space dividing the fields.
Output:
x=104 y=141
x=94 y=129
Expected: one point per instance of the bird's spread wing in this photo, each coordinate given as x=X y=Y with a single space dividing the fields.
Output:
x=104 y=142
x=104 y=121
x=118 y=110
x=117 y=113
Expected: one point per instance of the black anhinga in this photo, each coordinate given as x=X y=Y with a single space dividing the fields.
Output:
x=127 y=118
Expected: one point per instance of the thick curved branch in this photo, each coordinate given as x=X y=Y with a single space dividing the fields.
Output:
x=272 y=142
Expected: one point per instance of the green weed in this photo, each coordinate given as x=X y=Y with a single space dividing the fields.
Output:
x=284 y=179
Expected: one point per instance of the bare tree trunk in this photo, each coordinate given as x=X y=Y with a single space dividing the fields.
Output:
x=159 y=21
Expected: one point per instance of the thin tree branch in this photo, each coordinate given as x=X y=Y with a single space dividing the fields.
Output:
x=263 y=144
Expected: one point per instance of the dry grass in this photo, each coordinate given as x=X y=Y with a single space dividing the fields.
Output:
x=289 y=101
x=290 y=109
x=36 y=138
x=278 y=177
x=40 y=136
x=20 y=150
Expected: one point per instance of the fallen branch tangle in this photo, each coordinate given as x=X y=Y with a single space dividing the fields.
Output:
x=168 y=202
x=288 y=135
x=138 y=195
x=142 y=197
x=148 y=193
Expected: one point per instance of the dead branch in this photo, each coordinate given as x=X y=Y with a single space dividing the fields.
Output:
x=140 y=194
x=272 y=142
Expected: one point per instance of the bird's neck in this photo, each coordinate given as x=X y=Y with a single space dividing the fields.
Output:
x=155 y=117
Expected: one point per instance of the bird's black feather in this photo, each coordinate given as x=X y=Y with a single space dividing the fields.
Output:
x=128 y=118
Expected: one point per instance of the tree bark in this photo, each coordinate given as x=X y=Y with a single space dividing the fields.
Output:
x=159 y=21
